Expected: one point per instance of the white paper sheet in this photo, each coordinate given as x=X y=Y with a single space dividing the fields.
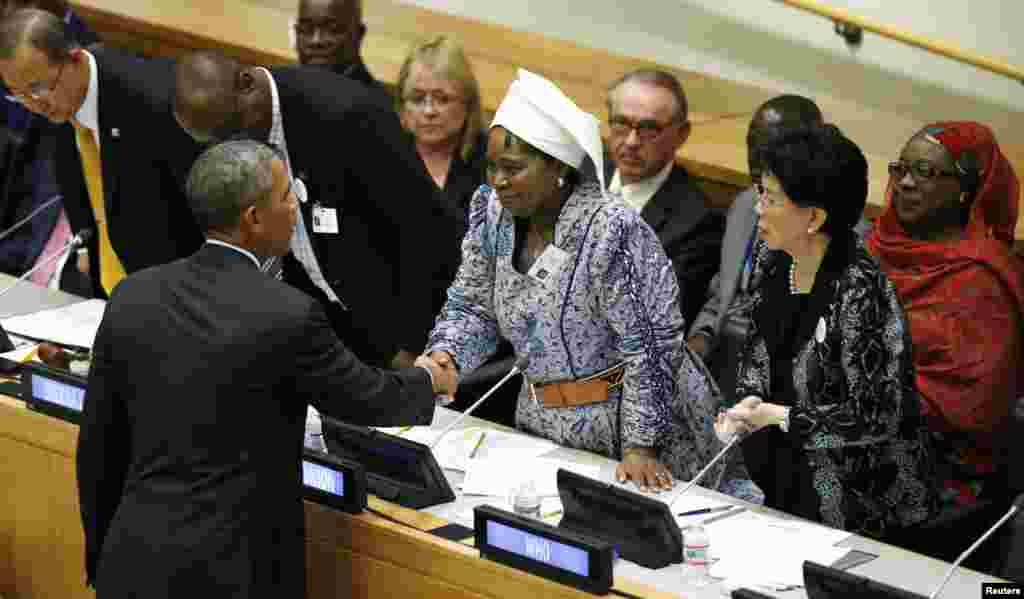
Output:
x=498 y=477
x=461 y=444
x=768 y=550
x=74 y=324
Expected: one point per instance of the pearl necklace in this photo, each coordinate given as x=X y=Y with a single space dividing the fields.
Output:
x=793 y=289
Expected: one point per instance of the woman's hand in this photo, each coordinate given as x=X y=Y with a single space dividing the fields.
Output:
x=727 y=427
x=756 y=414
x=641 y=465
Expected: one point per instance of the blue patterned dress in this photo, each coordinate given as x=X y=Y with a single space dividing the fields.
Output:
x=613 y=299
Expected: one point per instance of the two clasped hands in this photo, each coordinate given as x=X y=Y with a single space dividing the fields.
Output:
x=443 y=372
x=751 y=414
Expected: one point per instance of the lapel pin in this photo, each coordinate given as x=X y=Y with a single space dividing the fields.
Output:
x=115 y=132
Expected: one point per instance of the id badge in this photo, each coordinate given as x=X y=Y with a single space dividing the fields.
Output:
x=325 y=220
x=548 y=264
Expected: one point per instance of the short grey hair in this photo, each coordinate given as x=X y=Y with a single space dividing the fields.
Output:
x=654 y=78
x=40 y=30
x=228 y=178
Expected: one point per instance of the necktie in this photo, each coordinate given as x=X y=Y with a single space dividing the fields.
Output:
x=111 y=269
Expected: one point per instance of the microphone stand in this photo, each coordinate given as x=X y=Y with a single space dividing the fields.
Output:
x=735 y=438
x=75 y=242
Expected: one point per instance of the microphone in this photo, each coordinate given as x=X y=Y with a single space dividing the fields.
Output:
x=520 y=366
x=1018 y=505
x=75 y=242
x=696 y=479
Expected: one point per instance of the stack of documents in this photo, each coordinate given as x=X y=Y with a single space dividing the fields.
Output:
x=74 y=324
x=769 y=551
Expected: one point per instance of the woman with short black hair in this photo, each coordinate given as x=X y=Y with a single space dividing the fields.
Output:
x=828 y=357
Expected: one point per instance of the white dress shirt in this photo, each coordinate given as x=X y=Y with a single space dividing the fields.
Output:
x=638 y=194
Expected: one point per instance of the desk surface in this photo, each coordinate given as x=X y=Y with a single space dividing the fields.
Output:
x=893 y=566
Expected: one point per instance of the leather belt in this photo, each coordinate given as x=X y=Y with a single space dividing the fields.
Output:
x=588 y=390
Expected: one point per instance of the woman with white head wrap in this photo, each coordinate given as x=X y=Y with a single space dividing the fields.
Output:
x=579 y=284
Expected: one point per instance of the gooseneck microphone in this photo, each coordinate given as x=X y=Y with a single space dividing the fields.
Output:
x=737 y=437
x=75 y=242
x=1018 y=505
x=520 y=366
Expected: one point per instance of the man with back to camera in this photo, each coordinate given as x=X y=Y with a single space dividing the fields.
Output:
x=189 y=451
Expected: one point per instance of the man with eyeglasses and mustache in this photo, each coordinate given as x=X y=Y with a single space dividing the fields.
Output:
x=118 y=151
x=648 y=121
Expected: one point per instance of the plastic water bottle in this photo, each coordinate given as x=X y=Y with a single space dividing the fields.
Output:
x=696 y=557
x=314 y=430
x=526 y=501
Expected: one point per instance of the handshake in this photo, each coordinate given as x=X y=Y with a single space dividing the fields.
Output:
x=442 y=371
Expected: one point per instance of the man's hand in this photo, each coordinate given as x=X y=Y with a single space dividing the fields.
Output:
x=446 y=379
x=641 y=465
x=402 y=359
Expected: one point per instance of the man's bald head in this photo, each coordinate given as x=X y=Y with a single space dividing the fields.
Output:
x=206 y=89
x=775 y=117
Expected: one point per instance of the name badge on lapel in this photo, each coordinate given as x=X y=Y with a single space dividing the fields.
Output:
x=548 y=264
x=325 y=220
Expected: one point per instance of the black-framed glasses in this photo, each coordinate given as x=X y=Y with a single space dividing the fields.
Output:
x=38 y=90
x=646 y=129
x=922 y=170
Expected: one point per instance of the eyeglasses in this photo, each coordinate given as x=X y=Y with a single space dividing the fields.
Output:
x=326 y=28
x=38 y=90
x=646 y=129
x=921 y=169
x=438 y=100
x=768 y=197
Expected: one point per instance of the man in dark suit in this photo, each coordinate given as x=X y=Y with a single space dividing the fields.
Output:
x=366 y=243
x=190 y=445
x=648 y=120
x=329 y=34
x=117 y=148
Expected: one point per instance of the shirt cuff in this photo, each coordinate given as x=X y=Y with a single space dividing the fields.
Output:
x=430 y=374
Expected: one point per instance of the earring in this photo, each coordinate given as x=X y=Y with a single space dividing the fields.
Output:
x=810 y=230
x=561 y=182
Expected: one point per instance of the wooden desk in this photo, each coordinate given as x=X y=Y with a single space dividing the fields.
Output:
x=257 y=31
x=363 y=556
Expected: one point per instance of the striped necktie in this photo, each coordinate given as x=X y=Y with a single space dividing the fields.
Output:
x=111 y=269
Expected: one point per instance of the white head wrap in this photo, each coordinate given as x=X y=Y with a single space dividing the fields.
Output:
x=537 y=112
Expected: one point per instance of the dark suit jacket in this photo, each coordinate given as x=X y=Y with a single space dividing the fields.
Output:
x=145 y=157
x=346 y=144
x=689 y=231
x=189 y=451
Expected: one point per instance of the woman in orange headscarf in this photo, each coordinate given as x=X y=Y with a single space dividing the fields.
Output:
x=945 y=242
